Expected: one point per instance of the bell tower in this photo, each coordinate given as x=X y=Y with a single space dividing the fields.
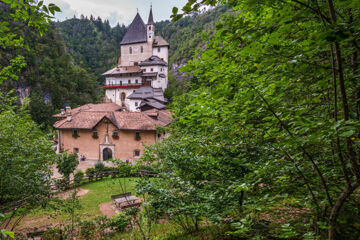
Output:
x=150 y=27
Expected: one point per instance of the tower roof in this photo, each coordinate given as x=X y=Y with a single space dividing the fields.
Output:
x=136 y=32
x=151 y=19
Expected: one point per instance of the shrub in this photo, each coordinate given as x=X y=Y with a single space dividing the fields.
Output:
x=124 y=169
x=119 y=222
x=90 y=172
x=61 y=184
x=78 y=177
x=87 y=229
x=99 y=167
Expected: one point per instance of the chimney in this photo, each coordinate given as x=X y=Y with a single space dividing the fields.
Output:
x=68 y=110
x=68 y=113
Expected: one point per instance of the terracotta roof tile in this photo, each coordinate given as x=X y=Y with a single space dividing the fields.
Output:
x=89 y=115
x=100 y=107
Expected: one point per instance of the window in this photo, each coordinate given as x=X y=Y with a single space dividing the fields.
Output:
x=151 y=69
x=142 y=49
x=137 y=136
x=144 y=69
x=136 y=104
x=136 y=153
x=136 y=63
x=130 y=50
x=122 y=96
x=120 y=83
x=159 y=135
x=158 y=49
x=75 y=133
x=115 y=134
x=136 y=81
x=161 y=69
x=149 y=27
x=76 y=150
x=129 y=81
x=95 y=134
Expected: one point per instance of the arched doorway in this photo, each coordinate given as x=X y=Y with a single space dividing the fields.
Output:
x=107 y=154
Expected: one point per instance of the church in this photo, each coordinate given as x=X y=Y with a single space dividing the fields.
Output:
x=138 y=82
x=134 y=106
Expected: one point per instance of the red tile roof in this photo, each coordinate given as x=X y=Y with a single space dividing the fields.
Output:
x=89 y=115
x=100 y=107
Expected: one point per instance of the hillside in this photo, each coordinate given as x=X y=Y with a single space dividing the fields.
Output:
x=51 y=78
x=93 y=44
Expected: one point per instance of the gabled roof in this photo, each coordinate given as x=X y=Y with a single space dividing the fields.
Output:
x=90 y=115
x=153 y=60
x=152 y=103
x=146 y=92
x=151 y=19
x=90 y=107
x=159 y=42
x=85 y=120
x=136 y=32
x=122 y=69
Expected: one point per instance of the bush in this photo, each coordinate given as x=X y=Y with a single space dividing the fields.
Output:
x=99 y=167
x=61 y=184
x=125 y=169
x=87 y=229
x=90 y=173
x=78 y=177
x=119 y=222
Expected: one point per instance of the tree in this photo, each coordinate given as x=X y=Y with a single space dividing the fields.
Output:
x=66 y=165
x=25 y=151
x=261 y=127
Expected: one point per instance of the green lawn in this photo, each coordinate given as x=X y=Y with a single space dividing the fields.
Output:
x=99 y=192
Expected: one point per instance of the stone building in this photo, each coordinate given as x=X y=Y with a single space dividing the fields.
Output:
x=104 y=131
x=143 y=63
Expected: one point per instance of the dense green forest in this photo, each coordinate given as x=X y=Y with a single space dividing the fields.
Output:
x=50 y=76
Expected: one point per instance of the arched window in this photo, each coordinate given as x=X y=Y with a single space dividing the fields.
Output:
x=122 y=96
x=142 y=49
x=130 y=50
x=149 y=27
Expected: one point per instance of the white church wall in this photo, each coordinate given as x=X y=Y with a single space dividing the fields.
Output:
x=163 y=53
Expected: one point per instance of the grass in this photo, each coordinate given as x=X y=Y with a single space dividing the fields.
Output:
x=99 y=192
x=171 y=231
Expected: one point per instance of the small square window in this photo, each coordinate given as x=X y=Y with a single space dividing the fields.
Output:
x=115 y=134
x=95 y=134
x=136 y=104
x=137 y=153
x=151 y=69
x=144 y=69
x=75 y=133
x=137 y=136
x=136 y=81
x=76 y=150
x=158 y=49
x=129 y=81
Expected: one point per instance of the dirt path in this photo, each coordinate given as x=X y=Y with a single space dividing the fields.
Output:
x=108 y=209
x=67 y=194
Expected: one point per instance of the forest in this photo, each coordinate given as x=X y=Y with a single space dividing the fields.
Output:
x=265 y=138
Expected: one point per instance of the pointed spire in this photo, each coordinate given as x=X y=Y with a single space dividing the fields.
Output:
x=151 y=19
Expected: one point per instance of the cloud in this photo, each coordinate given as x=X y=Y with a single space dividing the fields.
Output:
x=66 y=10
x=122 y=11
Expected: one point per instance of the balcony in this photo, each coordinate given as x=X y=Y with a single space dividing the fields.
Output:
x=123 y=85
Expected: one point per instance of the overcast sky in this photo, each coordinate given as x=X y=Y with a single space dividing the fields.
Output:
x=122 y=11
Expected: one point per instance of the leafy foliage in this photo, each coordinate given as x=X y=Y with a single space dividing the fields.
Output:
x=259 y=132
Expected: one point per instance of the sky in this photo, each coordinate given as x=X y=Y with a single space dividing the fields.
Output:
x=122 y=11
